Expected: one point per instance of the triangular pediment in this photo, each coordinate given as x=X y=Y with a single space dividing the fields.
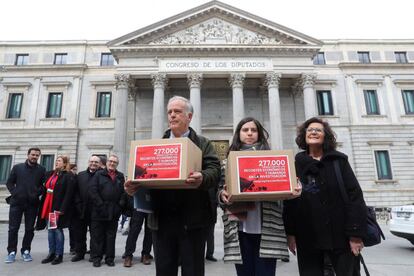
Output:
x=214 y=23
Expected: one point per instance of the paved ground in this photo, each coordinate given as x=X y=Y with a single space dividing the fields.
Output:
x=394 y=257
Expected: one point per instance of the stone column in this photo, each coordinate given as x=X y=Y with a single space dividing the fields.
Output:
x=159 y=82
x=237 y=82
x=309 y=96
x=272 y=82
x=121 y=123
x=194 y=82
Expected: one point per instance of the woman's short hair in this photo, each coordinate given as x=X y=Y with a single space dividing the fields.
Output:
x=262 y=137
x=329 y=142
x=66 y=161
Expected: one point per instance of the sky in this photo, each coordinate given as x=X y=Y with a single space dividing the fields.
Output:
x=107 y=20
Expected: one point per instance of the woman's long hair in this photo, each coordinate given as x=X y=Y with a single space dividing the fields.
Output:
x=263 y=135
x=329 y=142
x=66 y=162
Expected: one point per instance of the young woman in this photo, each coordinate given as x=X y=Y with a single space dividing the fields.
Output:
x=254 y=235
x=56 y=201
x=318 y=223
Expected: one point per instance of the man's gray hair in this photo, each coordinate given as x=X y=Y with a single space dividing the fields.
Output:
x=188 y=106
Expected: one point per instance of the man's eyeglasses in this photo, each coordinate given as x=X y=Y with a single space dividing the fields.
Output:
x=314 y=129
x=112 y=161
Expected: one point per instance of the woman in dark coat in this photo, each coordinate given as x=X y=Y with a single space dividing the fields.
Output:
x=108 y=197
x=318 y=223
x=56 y=202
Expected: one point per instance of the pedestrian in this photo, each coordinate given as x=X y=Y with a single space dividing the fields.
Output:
x=56 y=208
x=82 y=216
x=25 y=186
x=319 y=223
x=254 y=235
x=74 y=169
x=210 y=232
x=181 y=217
x=138 y=218
x=106 y=192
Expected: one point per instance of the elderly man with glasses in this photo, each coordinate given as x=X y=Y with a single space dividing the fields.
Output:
x=82 y=218
x=106 y=192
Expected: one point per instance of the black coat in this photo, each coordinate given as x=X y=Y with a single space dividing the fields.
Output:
x=189 y=208
x=81 y=199
x=25 y=184
x=319 y=218
x=106 y=195
x=62 y=199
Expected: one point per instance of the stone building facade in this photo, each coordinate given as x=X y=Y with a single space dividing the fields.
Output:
x=94 y=97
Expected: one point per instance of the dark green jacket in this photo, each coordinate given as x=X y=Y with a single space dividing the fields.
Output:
x=188 y=208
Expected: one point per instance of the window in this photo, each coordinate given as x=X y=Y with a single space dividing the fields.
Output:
x=21 y=59
x=14 y=106
x=60 y=58
x=107 y=59
x=371 y=102
x=5 y=167
x=324 y=102
x=408 y=98
x=401 y=57
x=103 y=104
x=54 y=105
x=319 y=59
x=363 y=57
x=47 y=161
x=382 y=160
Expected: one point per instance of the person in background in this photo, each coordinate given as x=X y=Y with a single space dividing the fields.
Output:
x=82 y=217
x=318 y=223
x=74 y=169
x=106 y=192
x=181 y=217
x=254 y=235
x=210 y=233
x=137 y=219
x=56 y=207
x=25 y=186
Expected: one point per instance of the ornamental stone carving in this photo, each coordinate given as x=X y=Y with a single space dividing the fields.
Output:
x=308 y=80
x=122 y=81
x=159 y=80
x=272 y=79
x=237 y=80
x=216 y=31
x=194 y=80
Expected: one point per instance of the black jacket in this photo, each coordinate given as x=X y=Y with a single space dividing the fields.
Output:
x=189 y=208
x=319 y=218
x=106 y=195
x=62 y=199
x=25 y=184
x=81 y=198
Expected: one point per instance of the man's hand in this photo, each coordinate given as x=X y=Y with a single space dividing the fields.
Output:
x=291 y=241
x=194 y=178
x=225 y=196
x=130 y=188
x=356 y=245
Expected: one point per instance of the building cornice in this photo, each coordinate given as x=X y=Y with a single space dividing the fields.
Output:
x=376 y=65
x=10 y=68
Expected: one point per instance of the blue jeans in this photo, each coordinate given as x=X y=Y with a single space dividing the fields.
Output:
x=253 y=265
x=56 y=240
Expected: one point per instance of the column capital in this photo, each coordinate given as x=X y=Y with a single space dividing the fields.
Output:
x=159 y=80
x=272 y=79
x=122 y=81
x=194 y=80
x=297 y=88
x=308 y=80
x=237 y=80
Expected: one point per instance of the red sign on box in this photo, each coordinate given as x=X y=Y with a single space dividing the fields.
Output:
x=158 y=161
x=258 y=174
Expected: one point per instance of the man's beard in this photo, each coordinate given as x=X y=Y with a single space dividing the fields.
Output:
x=32 y=163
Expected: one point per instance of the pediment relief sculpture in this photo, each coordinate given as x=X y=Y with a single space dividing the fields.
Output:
x=216 y=31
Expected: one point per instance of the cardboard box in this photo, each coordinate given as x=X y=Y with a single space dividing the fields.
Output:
x=260 y=175
x=163 y=163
